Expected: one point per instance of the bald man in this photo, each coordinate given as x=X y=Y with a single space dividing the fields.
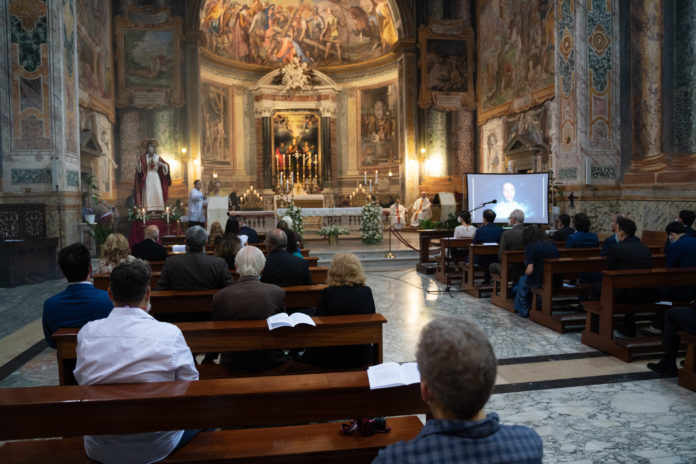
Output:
x=149 y=249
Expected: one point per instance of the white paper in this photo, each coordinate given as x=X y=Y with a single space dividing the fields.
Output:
x=179 y=249
x=392 y=374
x=301 y=318
x=489 y=243
x=664 y=303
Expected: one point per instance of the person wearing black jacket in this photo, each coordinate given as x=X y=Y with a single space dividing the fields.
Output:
x=149 y=249
x=562 y=234
x=676 y=319
x=282 y=268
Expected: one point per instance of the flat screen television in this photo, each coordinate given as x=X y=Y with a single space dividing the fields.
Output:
x=506 y=192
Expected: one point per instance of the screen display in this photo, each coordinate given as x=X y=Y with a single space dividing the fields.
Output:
x=528 y=192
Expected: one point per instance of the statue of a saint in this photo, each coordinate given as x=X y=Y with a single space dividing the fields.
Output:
x=152 y=179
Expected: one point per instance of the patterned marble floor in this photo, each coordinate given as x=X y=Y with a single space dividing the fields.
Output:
x=628 y=415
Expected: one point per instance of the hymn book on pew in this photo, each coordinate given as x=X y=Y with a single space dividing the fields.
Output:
x=283 y=320
x=391 y=374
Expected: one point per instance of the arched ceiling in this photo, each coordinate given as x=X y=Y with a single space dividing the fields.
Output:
x=324 y=33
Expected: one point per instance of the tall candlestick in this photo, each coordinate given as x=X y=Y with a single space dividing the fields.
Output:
x=365 y=177
x=167 y=209
x=375 y=177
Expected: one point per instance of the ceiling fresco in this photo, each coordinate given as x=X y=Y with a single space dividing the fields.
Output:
x=319 y=32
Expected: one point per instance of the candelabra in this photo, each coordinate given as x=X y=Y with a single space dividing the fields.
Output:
x=251 y=200
x=359 y=197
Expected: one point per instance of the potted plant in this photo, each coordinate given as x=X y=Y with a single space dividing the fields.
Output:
x=332 y=232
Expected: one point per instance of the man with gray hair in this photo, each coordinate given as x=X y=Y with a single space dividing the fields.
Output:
x=458 y=369
x=194 y=270
x=149 y=249
x=249 y=299
x=511 y=240
x=282 y=268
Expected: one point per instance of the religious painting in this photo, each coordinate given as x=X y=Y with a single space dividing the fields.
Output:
x=296 y=146
x=320 y=32
x=69 y=46
x=96 y=78
x=149 y=60
x=377 y=128
x=516 y=55
x=215 y=123
x=530 y=124
x=446 y=62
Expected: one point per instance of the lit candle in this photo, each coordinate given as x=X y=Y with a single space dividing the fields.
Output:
x=143 y=216
x=370 y=185
x=365 y=175
x=375 y=177
x=390 y=173
x=167 y=209
x=292 y=177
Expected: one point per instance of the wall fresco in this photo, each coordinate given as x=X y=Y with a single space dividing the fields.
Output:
x=685 y=78
x=96 y=76
x=316 y=31
x=70 y=97
x=599 y=52
x=377 y=126
x=215 y=123
x=516 y=50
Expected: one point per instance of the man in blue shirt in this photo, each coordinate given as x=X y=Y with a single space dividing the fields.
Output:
x=681 y=253
x=611 y=241
x=80 y=302
x=458 y=369
x=565 y=230
x=537 y=248
x=487 y=233
x=582 y=238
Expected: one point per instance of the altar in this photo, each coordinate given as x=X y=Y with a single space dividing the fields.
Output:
x=316 y=200
x=316 y=218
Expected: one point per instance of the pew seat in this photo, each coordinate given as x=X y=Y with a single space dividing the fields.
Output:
x=687 y=374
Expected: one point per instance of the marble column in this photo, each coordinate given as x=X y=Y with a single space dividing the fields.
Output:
x=39 y=111
x=193 y=106
x=326 y=176
x=646 y=91
x=266 y=160
x=462 y=127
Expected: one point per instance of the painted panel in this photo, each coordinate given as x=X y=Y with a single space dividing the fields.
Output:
x=599 y=54
x=69 y=72
x=296 y=144
x=316 y=31
x=516 y=50
x=685 y=78
x=216 y=123
x=377 y=127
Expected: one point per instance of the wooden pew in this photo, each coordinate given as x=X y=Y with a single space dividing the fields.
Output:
x=42 y=412
x=200 y=301
x=448 y=266
x=687 y=374
x=472 y=270
x=427 y=263
x=606 y=310
x=218 y=336
x=568 y=268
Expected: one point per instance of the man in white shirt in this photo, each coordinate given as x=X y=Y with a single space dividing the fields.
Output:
x=131 y=346
x=421 y=210
x=397 y=213
x=197 y=200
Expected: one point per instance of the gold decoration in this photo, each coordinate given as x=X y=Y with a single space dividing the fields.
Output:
x=359 y=197
x=28 y=11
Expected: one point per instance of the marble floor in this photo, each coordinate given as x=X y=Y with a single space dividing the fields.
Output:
x=587 y=407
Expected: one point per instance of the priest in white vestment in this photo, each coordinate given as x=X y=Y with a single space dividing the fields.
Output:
x=397 y=215
x=421 y=210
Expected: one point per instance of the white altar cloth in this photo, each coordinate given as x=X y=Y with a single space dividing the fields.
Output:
x=307 y=212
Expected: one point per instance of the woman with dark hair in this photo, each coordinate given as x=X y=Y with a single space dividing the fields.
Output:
x=292 y=246
x=230 y=244
x=465 y=230
x=537 y=247
x=582 y=237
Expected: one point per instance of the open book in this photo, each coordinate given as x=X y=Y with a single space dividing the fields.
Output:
x=283 y=320
x=392 y=374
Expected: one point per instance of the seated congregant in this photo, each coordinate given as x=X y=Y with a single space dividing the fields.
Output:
x=230 y=244
x=194 y=270
x=291 y=247
x=130 y=346
x=686 y=218
x=244 y=229
x=216 y=233
x=458 y=368
x=676 y=319
x=149 y=249
x=489 y=232
x=564 y=229
x=537 y=247
x=611 y=241
x=346 y=294
x=465 y=229
x=282 y=268
x=249 y=299
x=582 y=237
x=80 y=302
x=511 y=239
x=681 y=253
x=115 y=249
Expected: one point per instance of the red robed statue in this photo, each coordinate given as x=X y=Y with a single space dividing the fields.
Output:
x=152 y=179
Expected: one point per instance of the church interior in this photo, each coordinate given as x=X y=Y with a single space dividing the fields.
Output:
x=330 y=104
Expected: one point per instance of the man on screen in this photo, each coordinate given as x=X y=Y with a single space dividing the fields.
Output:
x=508 y=203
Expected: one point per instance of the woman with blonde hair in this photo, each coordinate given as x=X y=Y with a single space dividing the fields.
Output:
x=216 y=233
x=115 y=249
x=346 y=294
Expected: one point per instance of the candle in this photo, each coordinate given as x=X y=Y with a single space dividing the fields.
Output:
x=143 y=216
x=167 y=209
x=390 y=173
x=365 y=176
x=281 y=179
x=370 y=185
x=292 y=177
x=375 y=177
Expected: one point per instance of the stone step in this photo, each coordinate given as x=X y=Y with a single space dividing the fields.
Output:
x=372 y=258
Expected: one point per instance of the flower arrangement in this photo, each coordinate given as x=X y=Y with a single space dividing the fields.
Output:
x=295 y=213
x=334 y=230
x=174 y=213
x=136 y=214
x=371 y=228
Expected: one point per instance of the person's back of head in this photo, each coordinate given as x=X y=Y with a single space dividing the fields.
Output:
x=489 y=216
x=627 y=226
x=457 y=362
x=115 y=248
x=196 y=237
x=564 y=219
x=74 y=261
x=216 y=229
x=250 y=261
x=242 y=221
x=582 y=222
x=533 y=234
x=130 y=280
x=465 y=218
x=675 y=228
x=276 y=238
x=687 y=217
x=518 y=216
x=152 y=233
x=345 y=271
x=291 y=244
x=232 y=226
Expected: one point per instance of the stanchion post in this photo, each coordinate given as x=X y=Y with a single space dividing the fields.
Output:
x=389 y=254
